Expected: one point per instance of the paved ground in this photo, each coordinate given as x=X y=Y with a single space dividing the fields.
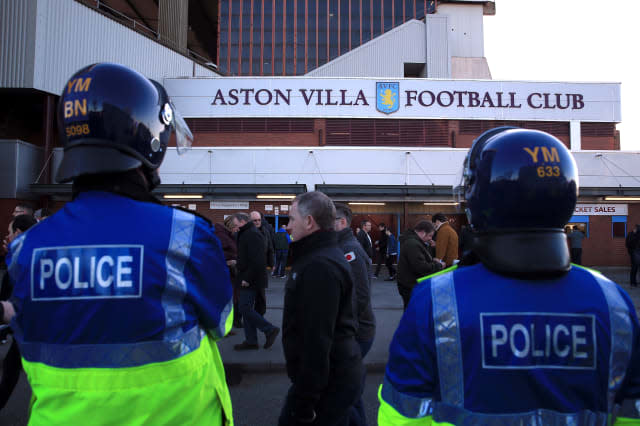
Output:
x=387 y=306
x=257 y=398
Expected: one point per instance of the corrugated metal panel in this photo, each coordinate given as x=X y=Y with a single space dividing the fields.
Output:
x=17 y=38
x=437 y=47
x=70 y=36
x=382 y=57
x=465 y=30
x=20 y=164
x=174 y=23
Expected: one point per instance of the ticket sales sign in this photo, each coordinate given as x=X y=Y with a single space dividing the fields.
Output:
x=303 y=97
x=601 y=210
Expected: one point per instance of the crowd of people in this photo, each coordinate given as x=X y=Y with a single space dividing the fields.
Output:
x=115 y=317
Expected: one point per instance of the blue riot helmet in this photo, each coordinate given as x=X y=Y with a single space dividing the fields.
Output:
x=520 y=188
x=113 y=119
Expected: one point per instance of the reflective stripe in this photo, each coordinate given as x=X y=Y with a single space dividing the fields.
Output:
x=114 y=355
x=175 y=289
x=15 y=248
x=621 y=336
x=226 y=316
x=542 y=417
x=447 y=335
x=407 y=405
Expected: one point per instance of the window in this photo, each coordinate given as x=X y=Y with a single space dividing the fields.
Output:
x=582 y=222
x=618 y=226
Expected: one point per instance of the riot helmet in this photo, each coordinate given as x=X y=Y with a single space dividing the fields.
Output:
x=520 y=187
x=515 y=179
x=113 y=119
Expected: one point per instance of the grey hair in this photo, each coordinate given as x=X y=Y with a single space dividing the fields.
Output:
x=241 y=217
x=320 y=207
x=344 y=211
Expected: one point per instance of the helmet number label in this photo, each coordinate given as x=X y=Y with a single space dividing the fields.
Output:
x=548 y=171
x=77 y=130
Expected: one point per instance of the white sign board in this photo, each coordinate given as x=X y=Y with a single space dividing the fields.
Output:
x=284 y=207
x=601 y=210
x=268 y=207
x=394 y=98
x=228 y=205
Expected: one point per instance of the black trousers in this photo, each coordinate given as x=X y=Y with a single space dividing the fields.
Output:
x=261 y=301
x=11 y=368
x=405 y=293
x=389 y=263
x=576 y=256
x=381 y=259
x=634 y=273
x=334 y=405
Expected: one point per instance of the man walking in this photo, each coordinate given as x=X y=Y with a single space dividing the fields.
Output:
x=282 y=241
x=263 y=228
x=392 y=252
x=446 y=240
x=364 y=239
x=355 y=255
x=632 y=243
x=381 y=249
x=575 y=237
x=252 y=278
x=322 y=356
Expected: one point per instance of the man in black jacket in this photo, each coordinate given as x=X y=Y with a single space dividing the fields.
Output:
x=632 y=242
x=381 y=249
x=415 y=258
x=355 y=255
x=323 y=358
x=251 y=277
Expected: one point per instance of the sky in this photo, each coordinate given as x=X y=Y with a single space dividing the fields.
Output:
x=570 y=40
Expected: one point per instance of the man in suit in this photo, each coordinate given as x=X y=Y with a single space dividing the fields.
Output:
x=365 y=239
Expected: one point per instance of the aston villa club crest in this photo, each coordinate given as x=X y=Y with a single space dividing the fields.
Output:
x=387 y=97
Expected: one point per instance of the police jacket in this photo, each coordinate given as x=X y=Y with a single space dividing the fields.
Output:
x=478 y=347
x=415 y=260
x=318 y=324
x=355 y=255
x=252 y=261
x=118 y=304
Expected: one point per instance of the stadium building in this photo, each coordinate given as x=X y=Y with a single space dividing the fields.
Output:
x=374 y=102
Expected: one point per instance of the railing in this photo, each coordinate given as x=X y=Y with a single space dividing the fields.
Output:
x=146 y=31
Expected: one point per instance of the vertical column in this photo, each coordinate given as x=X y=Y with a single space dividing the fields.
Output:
x=575 y=136
x=49 y=109
x=173 y=23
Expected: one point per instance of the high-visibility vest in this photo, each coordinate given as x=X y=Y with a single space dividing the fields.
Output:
x=118 y=306
x=475 y=347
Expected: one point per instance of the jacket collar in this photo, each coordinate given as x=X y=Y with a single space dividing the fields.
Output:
x=246 y=226
x=345 y=235
x=312 y=242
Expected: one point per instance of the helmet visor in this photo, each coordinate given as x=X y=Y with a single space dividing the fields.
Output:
x=461 y=180
x=184 y=137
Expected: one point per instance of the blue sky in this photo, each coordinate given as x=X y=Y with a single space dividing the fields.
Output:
x=570 y=40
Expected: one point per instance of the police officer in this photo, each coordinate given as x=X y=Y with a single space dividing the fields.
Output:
x=522 y=337
x=118 y=298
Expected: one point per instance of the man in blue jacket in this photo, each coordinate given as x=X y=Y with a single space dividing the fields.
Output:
x=506 y=341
